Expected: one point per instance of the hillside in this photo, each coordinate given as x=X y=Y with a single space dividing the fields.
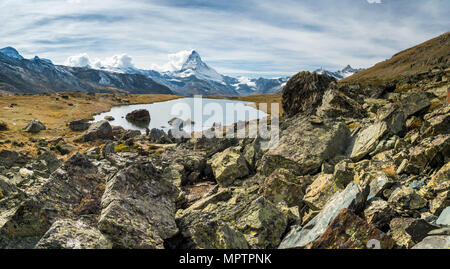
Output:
x=432 y=54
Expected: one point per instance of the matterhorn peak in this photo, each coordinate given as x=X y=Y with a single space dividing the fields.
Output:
x=11 y=52
x=193 y=61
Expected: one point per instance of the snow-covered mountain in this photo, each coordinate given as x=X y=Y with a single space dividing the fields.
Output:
x=340 y=74
x=187 y=74
x=20 y=75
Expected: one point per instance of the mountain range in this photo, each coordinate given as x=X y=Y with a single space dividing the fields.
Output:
x=192 y=77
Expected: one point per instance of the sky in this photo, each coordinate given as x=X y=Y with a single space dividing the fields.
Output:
x=236 y=37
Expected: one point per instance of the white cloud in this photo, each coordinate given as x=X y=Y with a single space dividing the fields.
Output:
x=258 y=37
x=176 y=61
x=374 y=1
x=80 y=60
x=116 y=61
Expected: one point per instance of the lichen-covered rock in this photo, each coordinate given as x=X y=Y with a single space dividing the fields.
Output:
x=282 y=185
x=367 y=140
x=98 y=130
x=252 y=153
x=138 y=208
x=320 y=191
x=379 y=213
x=415 y=102
x=259 y=221
x=406 y=200
x=348 y=231
x=439 y=203
x=79 y=125
x=390 y=121
x=335 y=104
x=304 y=146
x=441 y=180
x=72 y=190
x=394 y=118
x=431 y=152
x=228 y=166
x=407 y=232
x=303 y=93
x=34 y=127
x=437 y=122
x=71 y=234
x=378 y=185
x=343 y=173
x=352 y=198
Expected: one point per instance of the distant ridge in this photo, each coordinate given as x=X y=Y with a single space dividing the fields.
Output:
x=434 y=53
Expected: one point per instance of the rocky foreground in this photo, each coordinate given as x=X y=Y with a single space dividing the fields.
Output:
x=355 y=168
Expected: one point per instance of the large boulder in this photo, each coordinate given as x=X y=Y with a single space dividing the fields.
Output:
x=407 y=232
x=414 y=103
x=34 y=127
x=353 y=198
x=320 y=191
x=72 y=190
x=228 y=166
x=283 y=186
x=406 y=200
x=73 y=234
x=79 y=125
x=138 y=208
x=304 y=146
x=139 y=116
x=303 y=93
x=98 y=131
x=335 y=104
x=348 y=231
x=249 y=216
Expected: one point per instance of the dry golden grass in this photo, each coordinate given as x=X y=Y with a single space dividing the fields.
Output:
x=412 y=61
x=56 y=113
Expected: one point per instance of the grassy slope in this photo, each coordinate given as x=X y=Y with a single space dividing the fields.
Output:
x=415 y=60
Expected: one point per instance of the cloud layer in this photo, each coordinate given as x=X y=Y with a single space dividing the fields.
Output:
x=254 y=37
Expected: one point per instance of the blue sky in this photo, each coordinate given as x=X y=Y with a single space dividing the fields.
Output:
x=253 y=38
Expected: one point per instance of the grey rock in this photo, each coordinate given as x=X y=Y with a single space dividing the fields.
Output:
x=79 y=125
x=303 y=146
x=97 y=131
x=444 y=218
x=34 y=127
x=71 y=234
x=138 y=208
x=415 y=102
x=352 y=198
x=434 y=242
